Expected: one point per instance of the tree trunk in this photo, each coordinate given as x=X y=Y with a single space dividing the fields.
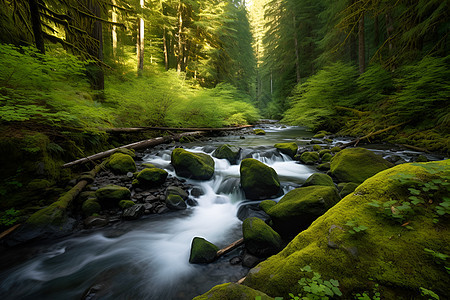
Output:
x=114 y=30
x=36 y=24
x=361 y=52
x=297 y=58
x=180 y=41
x=389 y=31
x=166 y=54
x=140 y=40
x=376 y=39
x=95 y=71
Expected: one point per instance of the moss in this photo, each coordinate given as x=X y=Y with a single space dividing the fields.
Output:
x=335 y=149
x=202 y=251
x=388 y=254
x=126 y=151
x=289 y=149
x=258 y=180
x=38 y=184
x=228 y=152
x=121 y=163
x=148 y=165
x=300 y=207
x=152 y=177
x=90 y=207
x=175 y=190
x=348 y=188
x=175 y=202
x=110 y=195
x=192 y=165
x=266 y=205
x=326 y=157
x=421 y=158
x=259 y=132
x=232 y=291
x=319 y=179
x=322 y=152
x=357 y=164
x=319 y=136
x=324 y=166
x=309 y=158
x=124 y=204
x=259 y=238
x=317 y=147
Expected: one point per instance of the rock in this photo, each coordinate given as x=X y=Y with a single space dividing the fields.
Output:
x=87 y=177
x=395 y=159
x=130 y=174
x=192 y=165
x=266 y=205
x=259 y=238
x=124 y=204
x=235 y=260
x=249 y=210
x=324 y=151
x=348 y=188
x=197 y=191
x=95 y=221
x=90 y=207
x=289 y=149
x=258 y=180
x=319 y=179
x=421 y=158
x=85 y=195
x=259 y=132
x=174 y=190
x=175 y=202
x=335 y=149
x=326 y=157
x=249 y=260
x=134 y=212
x=300 y=207
x=148 y=165
x=121 y=163
x=202 y=251
x=228 y=152
x=309 y=158
x=232 y=291
x=324 y=166
x=317 y=147
x=153 y=177
x=126 y=151
x=357 y=164
x=391 y=255
x=319 y=136
x=110 y=195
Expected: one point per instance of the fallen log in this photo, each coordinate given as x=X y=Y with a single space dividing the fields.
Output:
x=9 y=230
x=138 y=129
x=137 y=145
x=356 y=141
x=415 y=148
x=229 y=248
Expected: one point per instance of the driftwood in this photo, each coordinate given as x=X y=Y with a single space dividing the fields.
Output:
x=138 y=129
x=229 y=248
x=415 y=148
x=356 y=141
x=137 y=145
x=9 y=230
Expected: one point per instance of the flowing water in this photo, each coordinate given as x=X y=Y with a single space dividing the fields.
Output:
x=148 y=258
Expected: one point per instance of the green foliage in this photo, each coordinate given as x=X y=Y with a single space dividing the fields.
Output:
x=393 y=209
x=316 y=288
x=366 y=295
x=9 y=217
x=429 y=294
x=355 y=229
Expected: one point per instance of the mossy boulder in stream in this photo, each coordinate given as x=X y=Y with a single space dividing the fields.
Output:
x=110 y=195
x=228 y=152
x=300 y=207
x=266 y=205
x=192 y=165
x=232 y=291
x=357 y=164
x=258 y=180
x=319 y=179
x=175 y=202
x=289 y=149
x=90 y=207
x=348 y=188
x=259 y=132
x=202 y=251
x=151 y=177
x=400 y=259
x=121 y=163
x=309 y=158
x=259 y=238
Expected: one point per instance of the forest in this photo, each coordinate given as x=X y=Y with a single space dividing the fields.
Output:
x=73 y=71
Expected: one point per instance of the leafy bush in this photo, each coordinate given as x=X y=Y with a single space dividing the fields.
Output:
x=316 y=288
x=9 y=217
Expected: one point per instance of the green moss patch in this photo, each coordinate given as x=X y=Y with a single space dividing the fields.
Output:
x=266 y=205
x=258 y=180
x=232 y=291
x=228 y=152
x=110 y=195
x=309 y=158
x=259 y=238
x=289 y=149
x=202 y=251
x=319 y=179
x=121 y=163
x=192 y=165
x=152 y=177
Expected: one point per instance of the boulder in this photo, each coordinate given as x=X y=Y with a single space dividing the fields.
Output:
x=319 y=179
x=152 y=177
x=134 y=212
x=110 y=195
x=232 y=291
x=309 y=158
x=357 y=164
x=317 y=147
x=324 y=151
x=202 y=251
x=324 y=166
x=228 y=152
x=266 y=205
x=397 y=259
x=192 y=165
x=126 y=151
x=121 y=163
x=251 y=210
x=90 y=207
x=300 y=207
x=175 y=202
x=289 y=149
x=124 y=204
x=259 y=238
x=258 y=180
x=348 y=188
x=259 y=132
x=326 y=157
x=175 y=190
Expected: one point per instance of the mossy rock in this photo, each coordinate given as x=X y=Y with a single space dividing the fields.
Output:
x=152 y=177
x=202 y=251
x=309 y=158
x=258 y=180
x=317 y=147
x=319 y=136
x=121 y=163
x=348 y=188
x=110 y=195
x=326 y=157
x=324 y=151
x=266 y=205
x=90 y=207
x=175 y=190
x=421 y=158
x=259 y=238
x=38 y=184
x=335 y=149
x=124 y=204
x=290 y=149
x=387 y=253
x=148 y=165
x=357 y=164
x=232 y=291
x=300 y=207
x=192 y=165
x=324 y=167
x=126 y=151
x=228 y=152
x=319 y=179
x=175 y=202
x=259 y=132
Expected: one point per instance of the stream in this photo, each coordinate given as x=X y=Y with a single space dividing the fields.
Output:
x=148 y=258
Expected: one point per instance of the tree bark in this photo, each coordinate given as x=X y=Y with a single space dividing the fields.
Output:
x=166 y=54
x=180 y=41
x=297 y=57
x=140 y=40
x=361 y=44
x=114 y=29
x=36 y=25
x=95 y=72
x=376 y=38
